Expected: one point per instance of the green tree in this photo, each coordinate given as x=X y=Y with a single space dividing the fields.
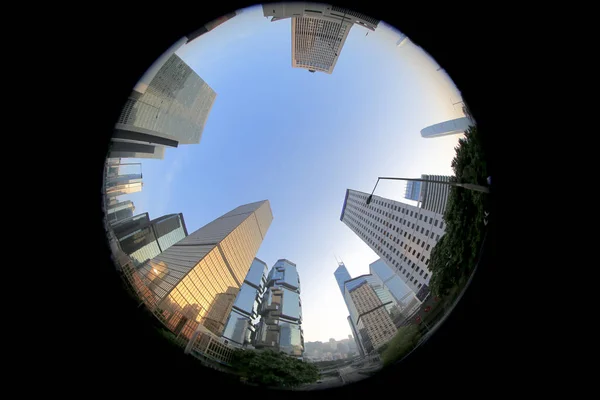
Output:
x=400 y=345
x=273 y=369
x=455 y=255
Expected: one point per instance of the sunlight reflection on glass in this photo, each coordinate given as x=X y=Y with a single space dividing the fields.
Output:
x=355 y=168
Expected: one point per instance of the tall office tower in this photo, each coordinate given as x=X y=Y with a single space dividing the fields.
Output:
x=119 y=211
x=455 y=126
x=281 y=312
x=400 y=234
x=117 y=183
x=434 y=196
x=192 y=285
x=243 y=318
x=142 y=239
x=403 y=295
x=170 y=110
x=210 y=26
x=413 y=190
x=125 y=188
x=373 y=311
x=319 y=31
x=341 y=275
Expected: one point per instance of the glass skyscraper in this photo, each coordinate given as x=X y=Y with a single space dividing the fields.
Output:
x=142 y=239
x=191 y=287
x=281 y=311
x=171 y=110
x=341 y=275
x=388 y=278
x=244 y=317
x=119 y=211
x=413 y=190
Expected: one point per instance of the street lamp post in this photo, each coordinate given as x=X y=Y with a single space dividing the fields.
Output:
x=470 y=186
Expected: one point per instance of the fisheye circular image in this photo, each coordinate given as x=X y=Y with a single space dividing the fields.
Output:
x=297 y=195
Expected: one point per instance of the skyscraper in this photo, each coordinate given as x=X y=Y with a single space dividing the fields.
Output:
x=281 y=312
x=319 y=31
x=403 y=295
x=119 y=211
x=372 y=311
x=413 y=190
x=400 y=234
x=210 y=26
x=118 y=183
x=241 y=324
x=171 y=109
x=142 y=239
x=204 y=271
x=434 y=196
x=341 y=275
x=451 y=127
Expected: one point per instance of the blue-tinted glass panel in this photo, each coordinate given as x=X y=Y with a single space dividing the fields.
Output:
x=236 y=327
x=245 y=298
x=255 y=273
x=291 y=304
x=290 y=340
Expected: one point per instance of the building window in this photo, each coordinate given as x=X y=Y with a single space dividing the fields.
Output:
x=430 y=220
x=427 y=232
x=437 y=238
x=422 y=258
x=435 y=223
x=441 y=224
x=427 y=247
x=420 y=217
x=426 y=275
x=432 y=235
x=418 y=241
x=418 y=255
x=427 y=262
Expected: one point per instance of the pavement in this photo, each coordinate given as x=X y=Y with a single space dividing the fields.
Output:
x=346 y=374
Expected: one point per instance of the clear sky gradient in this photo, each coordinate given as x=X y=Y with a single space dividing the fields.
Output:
x=300 y=140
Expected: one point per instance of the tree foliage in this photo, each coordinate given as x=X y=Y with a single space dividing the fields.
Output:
x=455 y=255
x=400 y=345
x=273 y=369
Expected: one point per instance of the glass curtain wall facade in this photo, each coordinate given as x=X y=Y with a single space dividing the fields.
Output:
x=191 y=287
x=281 y=312
x=142 y=239
x=241 y=324
x=406 y=299
x=341 y=275
x=175 y=106
x=119 y=211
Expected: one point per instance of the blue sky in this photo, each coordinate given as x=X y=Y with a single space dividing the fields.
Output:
x=300 y=140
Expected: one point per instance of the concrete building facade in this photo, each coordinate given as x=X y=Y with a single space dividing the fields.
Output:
x=400 y=234
x=434 y=196
x=319 y=31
